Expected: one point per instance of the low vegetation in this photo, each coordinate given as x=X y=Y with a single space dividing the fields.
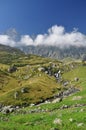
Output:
x=39 y=93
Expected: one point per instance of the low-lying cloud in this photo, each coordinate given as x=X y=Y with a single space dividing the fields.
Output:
x=56 y=36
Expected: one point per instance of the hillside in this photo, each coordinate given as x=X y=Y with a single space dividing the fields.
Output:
x=10 y=50
x=19 y=72
x=39 y=93
x=8 y=54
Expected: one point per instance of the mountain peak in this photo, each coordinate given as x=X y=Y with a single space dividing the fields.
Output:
x=13 y=34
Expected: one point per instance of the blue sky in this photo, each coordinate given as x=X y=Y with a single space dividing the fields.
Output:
x=36 y=16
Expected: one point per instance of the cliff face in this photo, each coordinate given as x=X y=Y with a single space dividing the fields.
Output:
x=56 y=52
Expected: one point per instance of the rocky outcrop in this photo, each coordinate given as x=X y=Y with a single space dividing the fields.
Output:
x=7 y=109
x=12 y=69
x=24 y=90
x=70 y=91
x=16 y=95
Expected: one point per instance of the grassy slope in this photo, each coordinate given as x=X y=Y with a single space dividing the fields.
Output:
x=40 y=86
x=43 y=86
x=40 y=121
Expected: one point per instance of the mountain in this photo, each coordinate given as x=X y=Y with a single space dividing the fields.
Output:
x=7 y=54
x=8 y=49
x=56 y=52
x=13 y=34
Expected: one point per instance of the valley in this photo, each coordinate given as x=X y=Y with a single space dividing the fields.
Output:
x=39 y=93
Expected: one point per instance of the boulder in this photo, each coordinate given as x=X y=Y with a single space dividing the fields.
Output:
x=65 y=83
x=58 y=121
x=41 y=69
x=7 y=109
x=16 y=95
x=12 y=69
x=57 y=100
x=80 y=124
x=24 y=90
x=71 y=120
x=76 y=79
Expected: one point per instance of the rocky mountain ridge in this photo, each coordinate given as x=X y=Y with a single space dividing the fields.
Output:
x=55 y=52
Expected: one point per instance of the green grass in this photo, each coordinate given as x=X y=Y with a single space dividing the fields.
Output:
x=40 y=121
x=41 y=86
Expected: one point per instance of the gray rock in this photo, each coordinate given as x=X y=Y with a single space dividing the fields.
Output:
x=24 y=90
x=16 y=95
x=80 y=124
x=57 y=100
x=71 y=120
x=57 y=121
x=76 y=79
x=64 y=107
x=65 y=83
x=7 y=109
x=12 y=69
x=41 y=69
x=70 y=91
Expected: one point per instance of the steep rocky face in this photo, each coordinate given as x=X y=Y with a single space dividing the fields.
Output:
x=55 y=52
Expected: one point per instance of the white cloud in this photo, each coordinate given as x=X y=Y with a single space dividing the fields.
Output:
x=56 y=35
x=39 y=39
x=6 y=40
x=59 y=30
x=26 y=40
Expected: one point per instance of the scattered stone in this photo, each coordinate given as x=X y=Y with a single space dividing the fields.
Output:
x=46 y=102
x=7 y=109
x=46 y=72
x=56 y=75
x=41 y=69
x=80 y=124
x=17 y=107
x=76 y=79
x=70 y=91
x=71 y=120
x=26 y=77
x=31 y=105
x=65 y=83
x=78 y=105
x=57 y=121
x=16 y=95
x=64 y=107
x=82 y=110
x=12 y=69
x=77 y=98
x=57 y=100
x=24 y=90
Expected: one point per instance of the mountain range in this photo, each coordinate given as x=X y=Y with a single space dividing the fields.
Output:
x=52 y=51
x=55 y=52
